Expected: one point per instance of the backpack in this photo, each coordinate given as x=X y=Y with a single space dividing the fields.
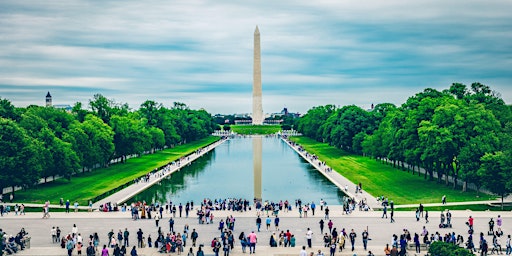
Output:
x=213 y=243
x=90 y=250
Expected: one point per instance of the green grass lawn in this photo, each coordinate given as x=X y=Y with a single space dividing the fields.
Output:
x=255 y=129
x=88 y=185
x=472 y=207
x=381 y=179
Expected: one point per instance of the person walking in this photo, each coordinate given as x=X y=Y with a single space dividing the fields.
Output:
x=352 y=237
x=365 y=239
x=321 y=222
x=258 y=223
x=252 y=242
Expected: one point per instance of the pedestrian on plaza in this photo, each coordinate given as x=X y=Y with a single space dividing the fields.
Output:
x=134 y=252
x=171 y=225
x=303 y=251
x=443 y=199
x=276 y=222
x=126 y=235
x=309 y=236
x=365 y=239
x=313 y=207
x=352 y=237
x=139 y=238
x=268 y=221
x=157 y=219
x=200 y=251
x=258 y=223
x=387 y=250
x=67 y=206
x=252 y=242
x=321 y=222
x=426 y=216
x=330 y=224
x=194 y=237
x=104 y=251
x=326 y=213
x=90 y=251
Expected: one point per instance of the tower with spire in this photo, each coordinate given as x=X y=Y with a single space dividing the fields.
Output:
x=48 y=99
x=257 y=108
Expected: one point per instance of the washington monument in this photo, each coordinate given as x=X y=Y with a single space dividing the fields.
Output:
x=257 y=109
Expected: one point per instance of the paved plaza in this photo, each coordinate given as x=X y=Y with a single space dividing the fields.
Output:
x=380 y=230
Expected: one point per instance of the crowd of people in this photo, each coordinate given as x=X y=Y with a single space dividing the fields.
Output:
x=11 y=244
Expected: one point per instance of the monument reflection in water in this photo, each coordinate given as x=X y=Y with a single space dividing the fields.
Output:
x=231 y=171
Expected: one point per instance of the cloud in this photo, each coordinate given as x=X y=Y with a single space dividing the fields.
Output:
x=200 y=52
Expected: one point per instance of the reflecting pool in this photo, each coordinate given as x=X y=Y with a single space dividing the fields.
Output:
x=234 y=170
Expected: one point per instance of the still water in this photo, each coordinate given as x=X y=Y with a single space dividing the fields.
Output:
x=228 y=172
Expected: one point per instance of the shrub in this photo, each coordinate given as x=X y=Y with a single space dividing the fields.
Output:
x=447 y=249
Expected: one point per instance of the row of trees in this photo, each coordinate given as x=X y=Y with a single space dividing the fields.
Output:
x=40 y=142
x=463 y=132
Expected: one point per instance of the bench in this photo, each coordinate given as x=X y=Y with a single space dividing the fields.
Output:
x=412 y=246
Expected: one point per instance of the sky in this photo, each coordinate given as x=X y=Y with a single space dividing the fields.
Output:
x=201 y=52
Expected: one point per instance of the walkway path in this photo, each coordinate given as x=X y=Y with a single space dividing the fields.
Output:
x=123 y=195
x=380 y=230
x=336 y=178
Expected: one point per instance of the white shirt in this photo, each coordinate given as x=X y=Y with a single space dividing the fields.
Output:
x=303 y=253
x=309 y=234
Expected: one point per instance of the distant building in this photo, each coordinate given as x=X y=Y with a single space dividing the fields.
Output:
x=67 y=108
x=48 y=99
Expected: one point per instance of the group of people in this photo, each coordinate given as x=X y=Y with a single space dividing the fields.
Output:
x=10 y=244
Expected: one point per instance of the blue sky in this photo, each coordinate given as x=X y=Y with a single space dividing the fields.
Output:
x=200 y=52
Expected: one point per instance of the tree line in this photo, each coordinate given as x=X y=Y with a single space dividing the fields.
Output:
x=40 y=142
x=463 y=132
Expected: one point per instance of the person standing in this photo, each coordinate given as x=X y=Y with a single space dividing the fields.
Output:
x=252 y=242
x=365 y=239
x=352 y=237
x=104 y=251
x=194 y=237
x=321 y=222
x=268 y=221
x=171 y=225
x=139 y=238
x=330 y=224
x=313 y=207
x=309 y=236
x=69 y=246
x=385 y=211
x=276 y=222
x=326 y=213
x=67 y=206
x=303 y=251
x=508 y=245
x=258 y=223
x=426 y=216
x=443 y=199
x=126 y=234
x=157 y=219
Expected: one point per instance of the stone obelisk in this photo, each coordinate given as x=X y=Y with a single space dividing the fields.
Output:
x=257 y=109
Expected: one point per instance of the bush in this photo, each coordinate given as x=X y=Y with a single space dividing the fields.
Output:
x=447 y=249
x=286 y=127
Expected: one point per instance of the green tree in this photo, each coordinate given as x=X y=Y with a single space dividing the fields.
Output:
x=101 y=138
x=496 y=173
x=20 y=159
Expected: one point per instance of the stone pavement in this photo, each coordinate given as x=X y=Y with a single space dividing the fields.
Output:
x=380 y=229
